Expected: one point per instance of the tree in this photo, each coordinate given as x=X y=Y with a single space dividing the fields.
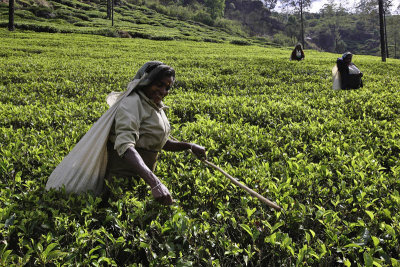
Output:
x=301 y=6
x=291 y=28
x=393 y=25
x=332 y=17
x=216 y=7
x=386 y=10
x=11 y=26
x=270 y=4
x=382 y=30
x=112 y=12
x=108 y=9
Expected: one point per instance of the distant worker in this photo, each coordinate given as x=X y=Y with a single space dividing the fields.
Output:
x=345 y=74
x=297 y=53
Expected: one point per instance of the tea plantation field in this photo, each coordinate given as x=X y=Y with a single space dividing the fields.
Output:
x=329 y=158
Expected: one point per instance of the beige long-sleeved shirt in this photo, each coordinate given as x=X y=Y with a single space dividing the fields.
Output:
x=140 y=123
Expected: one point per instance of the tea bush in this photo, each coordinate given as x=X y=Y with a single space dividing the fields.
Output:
x=329 y=158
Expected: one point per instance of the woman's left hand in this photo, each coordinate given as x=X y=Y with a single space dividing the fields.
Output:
x=199 y=151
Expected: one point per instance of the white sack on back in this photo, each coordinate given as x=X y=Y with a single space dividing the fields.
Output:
x=113 y=97
x=84 y=168
x=353 y=69
x=336 y=79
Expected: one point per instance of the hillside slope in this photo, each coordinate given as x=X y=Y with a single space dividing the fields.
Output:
x=73 y=16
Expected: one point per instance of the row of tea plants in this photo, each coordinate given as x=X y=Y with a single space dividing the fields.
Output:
x=329 y=158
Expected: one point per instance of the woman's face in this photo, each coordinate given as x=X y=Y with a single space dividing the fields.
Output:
x=159 y=89
x=348 y=59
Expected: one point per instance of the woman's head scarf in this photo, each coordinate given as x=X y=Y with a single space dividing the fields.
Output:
x=148 y=73
x=299 y=46
x=346 y=55
x=147 y=65
x=145 y=76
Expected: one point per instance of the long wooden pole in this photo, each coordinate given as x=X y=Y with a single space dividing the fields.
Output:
x=250 y=191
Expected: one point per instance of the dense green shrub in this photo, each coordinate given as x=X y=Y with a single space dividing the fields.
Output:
x=36 y=28
x=43 y=12
x=162 y=38
x=107 y=32
x=139 y=35
x=240 y=42
x=83 y=17
x=94 y=14
x=211 y=40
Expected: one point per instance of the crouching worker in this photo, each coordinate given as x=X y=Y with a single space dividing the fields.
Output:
x=126 y=140
x=297 y=53
x=346 y=75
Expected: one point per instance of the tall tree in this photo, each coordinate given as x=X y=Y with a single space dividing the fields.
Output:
x=387 y=4
x=270 y=4
x=382 y=30
x=11 y=26
x=301 y=6
x=112 y=12
x=393 y=25
x=216 y=7
x=332 y=15
x=291 y=28
x=369 y=11
x=108 y=9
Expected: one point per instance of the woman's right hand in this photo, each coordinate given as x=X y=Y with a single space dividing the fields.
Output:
x=161 y=194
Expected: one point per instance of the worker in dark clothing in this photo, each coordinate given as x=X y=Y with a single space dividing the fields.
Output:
x=350 y=75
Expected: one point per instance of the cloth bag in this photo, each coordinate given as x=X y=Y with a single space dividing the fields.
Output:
x=84 y=168
x=337 y=84
x=353 y=69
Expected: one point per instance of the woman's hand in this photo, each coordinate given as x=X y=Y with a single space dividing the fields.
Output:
x=159 y=191
x=161 y=194
x=199 y=151
x=173 y=145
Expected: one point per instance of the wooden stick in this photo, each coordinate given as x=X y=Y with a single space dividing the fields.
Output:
x=250 y=191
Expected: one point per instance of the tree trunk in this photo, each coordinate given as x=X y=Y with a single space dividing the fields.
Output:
x=112 y=12
x=108 y=9
x=382 y=31
x=386 y=41
x=302 y=23
x=395 y=44
x=11 y=26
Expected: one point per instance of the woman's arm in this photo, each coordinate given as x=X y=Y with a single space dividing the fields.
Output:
x=293 y=55
x=159 y=191
x=172 y=145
